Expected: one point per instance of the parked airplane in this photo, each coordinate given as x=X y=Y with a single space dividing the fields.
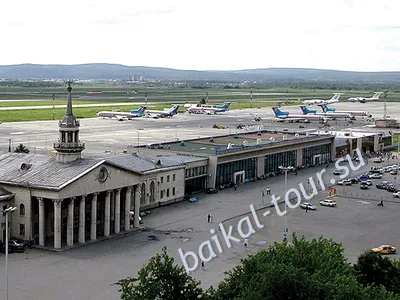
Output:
x=353 y=112
x=120 y=115
x=208 y=109
x=285 y=115
x=375 y=97
x=334 y=99
x=332 y=115
x=163 y=113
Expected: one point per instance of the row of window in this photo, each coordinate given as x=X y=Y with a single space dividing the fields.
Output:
x=284 y=159
x=166 y=193
x=225 y=172
x=168 y=178
x=317 y=154
x=196 y=171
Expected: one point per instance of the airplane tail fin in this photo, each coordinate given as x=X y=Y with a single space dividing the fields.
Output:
x=377 y=95
x=226 y=105
x=336 y=96
x=141 y=109
x=174 y=110
x=277 y=111
x=305 y=110
x=323 y=107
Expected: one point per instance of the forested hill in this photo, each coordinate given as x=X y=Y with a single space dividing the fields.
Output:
x=114 y=71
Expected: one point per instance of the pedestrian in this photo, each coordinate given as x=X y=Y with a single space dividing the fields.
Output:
x=245 y=243
x=235 y=186
x=262 y=193
x=211 y=218
x=203 y=265
x=208 y=218
x=307 y=209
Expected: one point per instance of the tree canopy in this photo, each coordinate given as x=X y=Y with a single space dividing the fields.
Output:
x=21 y=149
x=315 y=269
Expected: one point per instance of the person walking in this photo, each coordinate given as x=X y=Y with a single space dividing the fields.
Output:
x=307 y=209
x=203 y=265
x=235 y=186
x=208 y=218
x=245 y=243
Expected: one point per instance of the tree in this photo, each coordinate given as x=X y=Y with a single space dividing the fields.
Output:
x=373 y=268
x=160 y=279
x=21 y=149
x=315 y=269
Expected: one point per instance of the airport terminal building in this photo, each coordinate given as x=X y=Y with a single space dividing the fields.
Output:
x=66 y=199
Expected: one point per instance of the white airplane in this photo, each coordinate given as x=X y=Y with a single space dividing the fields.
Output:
x=333 y=115
x=356 y=113
x=334 y=99
x=121 y=115
x=208 y=109
x=285 y=115
x=375 y=97
x=163 y=113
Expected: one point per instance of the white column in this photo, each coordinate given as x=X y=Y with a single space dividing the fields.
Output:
x=112 y=205
x=137 y=206
x=82 y=204
x=107 y=215
x=93 y=219
x=117 y=210
x=57 y=223
x=41 y=221
x=128 y=208
x=70 y=225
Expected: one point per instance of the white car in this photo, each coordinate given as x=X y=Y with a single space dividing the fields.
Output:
x=378 y=160
x=368 y=182
x=338 y=172
x=375 y=176
x=309 y=206
x=344 y=182
x=328 y=202
x=396 y=195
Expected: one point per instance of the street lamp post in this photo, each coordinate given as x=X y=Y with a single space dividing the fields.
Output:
x=7 y=211
x=286 y=170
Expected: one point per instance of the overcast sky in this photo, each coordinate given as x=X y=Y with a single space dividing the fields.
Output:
x=355 y=35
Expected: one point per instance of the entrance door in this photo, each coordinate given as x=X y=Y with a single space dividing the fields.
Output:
x=317 y=159
x=238 y=177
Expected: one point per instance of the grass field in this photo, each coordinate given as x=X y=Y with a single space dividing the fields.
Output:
x=240 y=98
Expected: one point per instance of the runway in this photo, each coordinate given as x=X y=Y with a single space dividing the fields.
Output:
x=110 y=136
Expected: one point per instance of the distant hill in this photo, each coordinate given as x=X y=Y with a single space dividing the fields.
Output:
x=114 y=71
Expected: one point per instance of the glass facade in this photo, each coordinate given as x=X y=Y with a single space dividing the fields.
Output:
x=284 y=159
x=225 y=171
x=196 y=171
x=317 y=154
x=195 y=185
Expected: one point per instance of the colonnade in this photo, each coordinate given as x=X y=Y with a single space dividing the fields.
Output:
x=109 y=215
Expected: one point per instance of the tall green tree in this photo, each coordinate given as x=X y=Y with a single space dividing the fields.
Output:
x=308 y=270
x=373 y=268
x=160 y=279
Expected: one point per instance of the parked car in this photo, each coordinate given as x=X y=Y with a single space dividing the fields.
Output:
x=353 y=180
x=392 y=189
x=364 y=177
x=211 y=191
x=369 y=182
x=344 y=182
x=385 y=249
x=381 y=186
x=308 y=206
x=396 y=195
x=375 y=176
x=337 y=172
x=378 y=160
x=328 y=202
x=16 y=246
x=393 y=172
x=364 y=185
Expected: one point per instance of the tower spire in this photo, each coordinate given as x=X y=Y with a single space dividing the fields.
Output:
x=69 y=103
x=69 y=147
